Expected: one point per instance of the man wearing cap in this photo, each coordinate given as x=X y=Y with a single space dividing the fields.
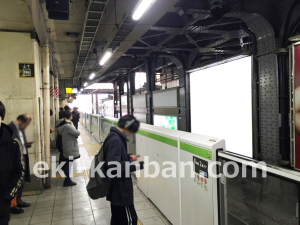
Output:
x=121 y=189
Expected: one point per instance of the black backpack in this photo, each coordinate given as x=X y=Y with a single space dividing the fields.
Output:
x=98 y=187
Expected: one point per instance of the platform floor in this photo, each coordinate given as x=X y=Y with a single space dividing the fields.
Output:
x=71 y=205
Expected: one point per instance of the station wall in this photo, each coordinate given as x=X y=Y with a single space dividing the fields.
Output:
x=22 y=95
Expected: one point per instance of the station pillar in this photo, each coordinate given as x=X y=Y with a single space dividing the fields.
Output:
x=46 y=89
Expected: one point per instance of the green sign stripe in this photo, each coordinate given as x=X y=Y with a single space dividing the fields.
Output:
x=159 y=138
x=196 y=150
x=115 y=123
x=141 y=132
x=108 y=121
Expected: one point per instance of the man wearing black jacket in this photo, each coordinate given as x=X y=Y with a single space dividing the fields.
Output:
x=18 y=127
x=11 y=168
x=121 y=189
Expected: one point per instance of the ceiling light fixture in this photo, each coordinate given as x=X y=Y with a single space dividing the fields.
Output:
x=92 y=76
x=141 y=8
x=106 y=57
x=85 y=84
x=295 y=38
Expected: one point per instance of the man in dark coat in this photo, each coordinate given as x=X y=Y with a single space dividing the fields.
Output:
x=121 y=189
x=11 y=168
x=18 y=127
x=75 y=117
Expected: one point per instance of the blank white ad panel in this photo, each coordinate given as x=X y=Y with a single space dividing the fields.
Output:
x=221 y=104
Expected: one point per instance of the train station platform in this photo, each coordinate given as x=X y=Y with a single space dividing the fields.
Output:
x=72 y=205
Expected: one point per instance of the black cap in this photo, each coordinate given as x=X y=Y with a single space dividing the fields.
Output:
x=130 y=123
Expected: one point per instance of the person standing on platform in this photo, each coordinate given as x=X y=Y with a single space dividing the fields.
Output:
x=121 y=189
x=18 y=127
x=75 y=117
x=69 y=149
x=67 y=108
x=11 y=167
x=61 y=110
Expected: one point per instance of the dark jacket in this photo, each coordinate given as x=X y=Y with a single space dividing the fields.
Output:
x=61 y=114
x=115 y=150
x=75 y=118
x=11 y=164
x=27 y=177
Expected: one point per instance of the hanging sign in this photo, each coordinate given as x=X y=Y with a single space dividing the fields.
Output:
x=26 y=70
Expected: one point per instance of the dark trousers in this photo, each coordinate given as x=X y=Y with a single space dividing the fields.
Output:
x=123 y=215
x=4 y=211
x=66 y=167
x=20 y=190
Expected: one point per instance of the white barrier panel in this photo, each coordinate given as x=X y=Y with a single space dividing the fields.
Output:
x=199 y=201
x=95 y=127
x=161 y=146
x=192 y=198
x=88 y=122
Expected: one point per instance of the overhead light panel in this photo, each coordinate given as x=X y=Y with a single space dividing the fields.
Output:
x=81 y=89
x=92 y=76
x=141 y=8
x=106 y=57
x=85 y=84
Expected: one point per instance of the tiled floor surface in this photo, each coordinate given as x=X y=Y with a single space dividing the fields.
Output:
x=71 y=205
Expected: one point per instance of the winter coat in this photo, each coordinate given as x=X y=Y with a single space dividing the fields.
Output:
x=115 y=150
x=27 y=176
x=11 y=163
x=69 y=139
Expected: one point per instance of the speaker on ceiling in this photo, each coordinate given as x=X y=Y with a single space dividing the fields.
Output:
x=58 y=5
x=58 y=15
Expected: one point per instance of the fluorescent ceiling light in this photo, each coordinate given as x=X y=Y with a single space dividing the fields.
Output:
x=85 y=84
x=81 y=89
x=106 y=56
x=100 y=86
x=141 y=8
x=92 y=76
x=295 y=38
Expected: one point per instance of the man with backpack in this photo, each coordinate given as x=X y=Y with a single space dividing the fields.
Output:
x=121 y=188
x=11 y=167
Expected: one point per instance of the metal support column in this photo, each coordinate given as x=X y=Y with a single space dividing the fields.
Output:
x=97 y=105
x=130 y=91
x=46 y=89
x=150 y=73
x=52 y=107
x=93 y=111
x=116 y=100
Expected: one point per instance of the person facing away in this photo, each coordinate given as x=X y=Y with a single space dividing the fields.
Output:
x=121 y=189
x=67 y=108
x=61 y=110
x=75 y=117
x=11 y=167
x=19 y=126
x=69 y=145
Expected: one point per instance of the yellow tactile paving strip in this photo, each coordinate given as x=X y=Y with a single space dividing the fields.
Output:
x=92 y=149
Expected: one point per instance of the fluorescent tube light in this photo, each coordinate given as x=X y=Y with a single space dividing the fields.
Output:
x=92 y=76
x=106 y=56
x=85 y=84
x=142 y=7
